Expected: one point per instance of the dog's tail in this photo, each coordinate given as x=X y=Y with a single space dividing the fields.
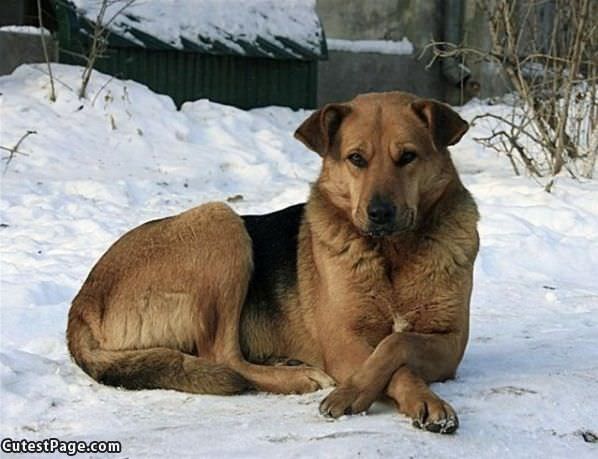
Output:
x=154 y=368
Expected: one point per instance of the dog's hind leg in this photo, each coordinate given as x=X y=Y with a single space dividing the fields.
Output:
x=153 y=368
x=283 y=379
x=230 y=276
x=226 y=346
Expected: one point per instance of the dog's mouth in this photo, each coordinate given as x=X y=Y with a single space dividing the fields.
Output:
x=399 y=226
x=377 y=233
x=381 y=232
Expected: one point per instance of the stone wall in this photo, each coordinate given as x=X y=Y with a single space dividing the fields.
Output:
x=346 y=74
x=20 y=48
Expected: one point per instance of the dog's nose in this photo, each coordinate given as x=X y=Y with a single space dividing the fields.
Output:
x=381 y=212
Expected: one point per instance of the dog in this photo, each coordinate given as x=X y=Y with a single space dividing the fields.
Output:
x=367 y=285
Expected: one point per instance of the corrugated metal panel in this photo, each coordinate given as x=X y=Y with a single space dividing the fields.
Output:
x=239 y=81
x=242 y=81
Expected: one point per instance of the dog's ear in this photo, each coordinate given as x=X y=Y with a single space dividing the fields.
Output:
x=446 y=125
x=317 y=132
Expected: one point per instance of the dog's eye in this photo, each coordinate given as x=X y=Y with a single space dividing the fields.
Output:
x=407 y=157
x=357 y=160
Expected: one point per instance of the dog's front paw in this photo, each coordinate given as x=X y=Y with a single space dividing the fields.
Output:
x=346 y=399
x=435 y=415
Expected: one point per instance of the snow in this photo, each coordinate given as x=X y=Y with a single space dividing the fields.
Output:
x=97 y=167
x=371 y=46
x=29 y=30
x=222 y=21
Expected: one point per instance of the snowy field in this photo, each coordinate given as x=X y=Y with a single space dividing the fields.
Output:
x=527 y=387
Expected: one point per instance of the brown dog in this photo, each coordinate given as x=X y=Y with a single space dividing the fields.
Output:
x=368 y=284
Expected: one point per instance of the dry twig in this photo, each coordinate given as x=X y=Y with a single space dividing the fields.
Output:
x=99 y=41
x=13 y=151
x=547 y=52
x=45 y=48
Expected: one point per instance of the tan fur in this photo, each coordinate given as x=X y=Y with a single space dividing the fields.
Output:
x=380 y=315
x=420 y=279
x=168 y=290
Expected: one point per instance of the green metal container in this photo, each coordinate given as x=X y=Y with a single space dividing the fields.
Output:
x=264 y=74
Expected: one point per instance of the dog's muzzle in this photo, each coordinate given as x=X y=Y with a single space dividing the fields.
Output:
x=384 y=219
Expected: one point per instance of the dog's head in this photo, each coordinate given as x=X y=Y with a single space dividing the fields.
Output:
x=385 y=158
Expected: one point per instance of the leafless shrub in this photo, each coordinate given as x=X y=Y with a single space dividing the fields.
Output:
x=547 y=51
x=45 y=49
x=99 y=38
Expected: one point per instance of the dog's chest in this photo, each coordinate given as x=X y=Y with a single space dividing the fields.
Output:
x=401 y=292
x=379 y=289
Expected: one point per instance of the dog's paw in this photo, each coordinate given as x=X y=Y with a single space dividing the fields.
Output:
x=301 y=380
x=346 y=399
x=320 y=378
x=435 y=415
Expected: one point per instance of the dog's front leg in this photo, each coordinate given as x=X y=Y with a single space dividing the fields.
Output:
x=345 y=355
x=415 y=399
x=429 y=357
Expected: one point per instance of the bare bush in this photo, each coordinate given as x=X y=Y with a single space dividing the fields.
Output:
x=547 y=51
x=45 y=49
x=99 y=38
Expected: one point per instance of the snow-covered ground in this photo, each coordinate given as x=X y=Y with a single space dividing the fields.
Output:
x=528 y=386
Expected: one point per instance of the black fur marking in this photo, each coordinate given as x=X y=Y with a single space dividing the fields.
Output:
x=275 y=242
x=274 y=239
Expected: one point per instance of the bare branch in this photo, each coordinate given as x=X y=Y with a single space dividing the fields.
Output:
x=55 y=78
x=127 y=4
x=547 y=51
x=99 y=40
x=45 y=49
x=106 y=83
x=13 y=151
